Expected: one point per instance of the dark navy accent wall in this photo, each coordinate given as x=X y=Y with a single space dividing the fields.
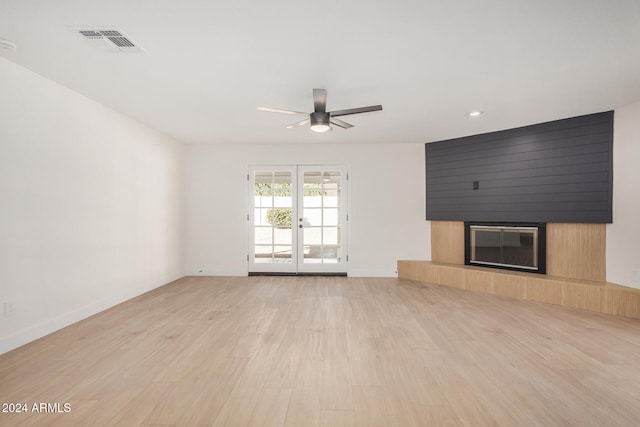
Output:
x=560 y=171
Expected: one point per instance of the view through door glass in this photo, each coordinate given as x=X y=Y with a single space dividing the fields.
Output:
x=273 y=210
x=321 y=217
x=297 y=219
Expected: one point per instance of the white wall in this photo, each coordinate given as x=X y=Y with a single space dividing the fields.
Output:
x=386 y=196
x=623 y=236
x=91 y=207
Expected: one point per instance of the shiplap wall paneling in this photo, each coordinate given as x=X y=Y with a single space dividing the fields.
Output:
x=559 y=171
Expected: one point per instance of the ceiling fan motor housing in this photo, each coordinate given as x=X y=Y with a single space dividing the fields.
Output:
x=320 y=119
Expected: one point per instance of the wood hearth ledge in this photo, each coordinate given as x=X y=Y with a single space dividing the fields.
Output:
x=601 y=297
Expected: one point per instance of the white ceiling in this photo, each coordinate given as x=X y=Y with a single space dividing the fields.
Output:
x=208 y=64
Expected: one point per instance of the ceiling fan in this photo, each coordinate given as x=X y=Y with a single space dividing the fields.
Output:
x=321 y=119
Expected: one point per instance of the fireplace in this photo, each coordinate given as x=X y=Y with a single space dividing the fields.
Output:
x=512 y=246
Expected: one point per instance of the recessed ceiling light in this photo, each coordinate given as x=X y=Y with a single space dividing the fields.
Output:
x=6 y=44
x=474 y=114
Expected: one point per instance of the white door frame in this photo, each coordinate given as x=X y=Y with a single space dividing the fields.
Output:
x=297 y=265
x=340 y=224
x=252 y=266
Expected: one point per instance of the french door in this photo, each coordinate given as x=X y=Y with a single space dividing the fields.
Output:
x=297 y=219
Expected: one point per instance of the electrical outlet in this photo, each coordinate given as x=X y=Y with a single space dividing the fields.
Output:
x=9 y=309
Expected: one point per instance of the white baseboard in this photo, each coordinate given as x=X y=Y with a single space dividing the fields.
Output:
x=372 y=273
x=39 y=330
x=351 y=273
x=206 y=272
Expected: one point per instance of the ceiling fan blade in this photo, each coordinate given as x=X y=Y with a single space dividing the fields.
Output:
x=320 y=100
x=277 y=110
x=298 y=124
x=356 y=110
x=340 y=123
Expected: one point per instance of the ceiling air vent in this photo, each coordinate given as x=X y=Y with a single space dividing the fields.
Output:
x=110 y=39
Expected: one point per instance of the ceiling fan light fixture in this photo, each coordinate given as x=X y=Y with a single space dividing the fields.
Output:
x=320 y=128
x=320 y=122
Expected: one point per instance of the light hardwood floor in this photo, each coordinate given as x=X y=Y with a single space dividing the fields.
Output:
x=330 y=351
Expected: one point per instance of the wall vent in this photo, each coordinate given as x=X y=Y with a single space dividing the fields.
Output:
x=110 y=39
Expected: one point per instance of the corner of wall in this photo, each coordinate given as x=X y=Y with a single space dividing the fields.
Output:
x=623 y=251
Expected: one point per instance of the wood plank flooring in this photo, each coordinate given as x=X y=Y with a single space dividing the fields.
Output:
x=329 y=351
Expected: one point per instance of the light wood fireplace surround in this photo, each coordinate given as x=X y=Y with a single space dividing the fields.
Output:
x=576 y=261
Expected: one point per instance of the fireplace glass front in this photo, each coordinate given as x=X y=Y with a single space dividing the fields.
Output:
x=516 y=247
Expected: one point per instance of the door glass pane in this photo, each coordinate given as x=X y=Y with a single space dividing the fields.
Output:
x=263 y=200
x=330 y=217
x=273 y=202
x=331 y=182
x=279 y=218
x=282 y=236
x=330 y=236
x=263 y=191
x=260 y=216
x=282 y=188
x=312 y=217
x=282 y=254
x=312 y=189
x=263 y=179
x=312 y=179
x=312 y=236
x=263 y=236
x=263 y=254
x=331 y=198
x=321 y=208
x=331 y=254
x=312 y=201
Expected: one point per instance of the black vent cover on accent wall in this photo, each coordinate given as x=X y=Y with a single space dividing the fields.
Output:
x=560 y=171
